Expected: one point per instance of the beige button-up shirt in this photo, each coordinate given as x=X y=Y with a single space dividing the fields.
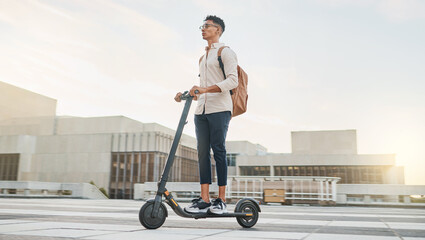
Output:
x=211 y=74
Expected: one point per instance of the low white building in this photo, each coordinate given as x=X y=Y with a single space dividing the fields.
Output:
x=116 y=152
x=324 y=153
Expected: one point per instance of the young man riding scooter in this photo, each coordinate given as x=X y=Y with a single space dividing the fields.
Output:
x=213 y=114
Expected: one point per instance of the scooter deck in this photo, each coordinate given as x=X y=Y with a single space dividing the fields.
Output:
x=183 y=213
x=212 y=215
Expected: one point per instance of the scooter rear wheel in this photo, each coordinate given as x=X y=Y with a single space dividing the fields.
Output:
x=145 y=215
x=247 y=207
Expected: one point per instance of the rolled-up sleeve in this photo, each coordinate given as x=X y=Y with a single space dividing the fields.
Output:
x=230 y=62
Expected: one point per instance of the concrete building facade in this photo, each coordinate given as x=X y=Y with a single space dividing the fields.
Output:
x=116 y=152
x=113 y=152
x=20 y=103
x=325 y=153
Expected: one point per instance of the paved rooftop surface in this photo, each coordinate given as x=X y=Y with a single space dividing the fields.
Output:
x=42 y=219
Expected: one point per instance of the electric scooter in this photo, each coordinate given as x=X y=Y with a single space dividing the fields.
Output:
x=153 y=213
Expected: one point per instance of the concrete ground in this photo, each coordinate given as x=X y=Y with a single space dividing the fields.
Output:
x=47 y=219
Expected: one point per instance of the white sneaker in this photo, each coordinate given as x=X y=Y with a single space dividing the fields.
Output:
x=198 y=206
x=218 y=207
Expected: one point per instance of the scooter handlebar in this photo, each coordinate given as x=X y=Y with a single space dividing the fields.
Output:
x=186 y=95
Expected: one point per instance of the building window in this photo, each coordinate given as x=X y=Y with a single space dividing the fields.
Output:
x=280 y=171
x=364 y=179
x=128 y=168
x=255 y=171
x=309 y=171
x=290 y=171
x=231 y=159
x=296 y=171
x=9 y=165
x=378 y=175
x=316 y=171
x=277 y=171
x=302 y=171
x=348 y=174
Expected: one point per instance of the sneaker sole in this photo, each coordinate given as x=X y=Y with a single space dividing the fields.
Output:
x=199 y=210
x=217 y=211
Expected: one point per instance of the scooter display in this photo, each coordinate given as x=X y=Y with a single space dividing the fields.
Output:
x=153 y=213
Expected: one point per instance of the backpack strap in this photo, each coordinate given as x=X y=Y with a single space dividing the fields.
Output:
x=200 y=60
x=220 y=62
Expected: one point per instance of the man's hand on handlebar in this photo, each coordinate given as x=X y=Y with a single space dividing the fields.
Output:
x=197 y=90
x=177 y=97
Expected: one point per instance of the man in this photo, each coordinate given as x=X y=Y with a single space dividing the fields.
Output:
x=213 y=114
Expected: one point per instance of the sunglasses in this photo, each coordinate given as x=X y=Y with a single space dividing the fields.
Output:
x=206 y=25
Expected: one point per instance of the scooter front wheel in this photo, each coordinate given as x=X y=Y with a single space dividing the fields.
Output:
x=146 y=219
x=250 y=209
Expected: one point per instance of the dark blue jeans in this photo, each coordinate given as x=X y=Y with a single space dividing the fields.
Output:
x=211 y=131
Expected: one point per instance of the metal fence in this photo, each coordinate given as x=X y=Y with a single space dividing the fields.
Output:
x=302 y=188
x=297 y=189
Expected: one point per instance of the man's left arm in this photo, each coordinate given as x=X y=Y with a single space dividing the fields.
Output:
x=230 y=62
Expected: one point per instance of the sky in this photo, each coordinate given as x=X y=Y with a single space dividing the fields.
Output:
x=312 y=65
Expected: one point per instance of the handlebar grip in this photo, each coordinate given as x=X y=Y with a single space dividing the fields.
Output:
x=186 y=95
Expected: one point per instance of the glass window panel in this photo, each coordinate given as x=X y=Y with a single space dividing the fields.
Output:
x=290 y=171
x=296 y=171
x=302 y=171
x=316 y=171
x=9 y=165
x=309 y=171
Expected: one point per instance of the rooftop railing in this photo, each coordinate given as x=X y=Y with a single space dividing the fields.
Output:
x=297 y=188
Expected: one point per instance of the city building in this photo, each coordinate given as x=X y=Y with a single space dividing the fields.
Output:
x=116 y=152
x=324 y=153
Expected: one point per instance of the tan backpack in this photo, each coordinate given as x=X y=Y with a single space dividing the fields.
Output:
x=240 y=93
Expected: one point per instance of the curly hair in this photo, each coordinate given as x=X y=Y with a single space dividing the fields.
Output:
x=216 y=20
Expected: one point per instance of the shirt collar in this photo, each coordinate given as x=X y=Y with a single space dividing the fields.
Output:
x=215 y=45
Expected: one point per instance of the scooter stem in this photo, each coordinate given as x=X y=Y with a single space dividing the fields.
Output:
x=170 y=160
